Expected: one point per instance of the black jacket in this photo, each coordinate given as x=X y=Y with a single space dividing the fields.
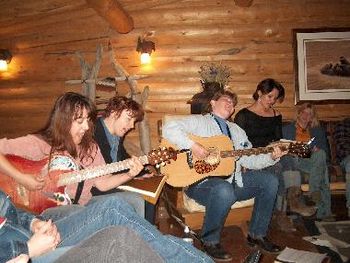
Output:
x=102 y=141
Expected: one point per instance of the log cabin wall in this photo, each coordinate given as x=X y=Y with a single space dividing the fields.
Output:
x=255 y=41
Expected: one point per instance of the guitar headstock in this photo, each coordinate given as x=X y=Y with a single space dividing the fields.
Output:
x=299 y=149
x=161 y=156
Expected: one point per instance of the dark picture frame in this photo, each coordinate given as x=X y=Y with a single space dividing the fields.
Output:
x=322 y=65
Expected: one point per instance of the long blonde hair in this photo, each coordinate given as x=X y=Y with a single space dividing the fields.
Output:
x=314 y=119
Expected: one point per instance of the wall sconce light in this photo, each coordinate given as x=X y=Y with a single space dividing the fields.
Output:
x=145 y=47
x=5 y=58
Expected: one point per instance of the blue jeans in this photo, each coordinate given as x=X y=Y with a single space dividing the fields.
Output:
x=75 y=223
x=135 y=200
x=345 y=163
x=316 y=167
x=218 y=195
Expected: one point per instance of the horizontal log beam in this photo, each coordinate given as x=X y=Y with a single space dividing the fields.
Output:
x=114 y=14
x=243 y=3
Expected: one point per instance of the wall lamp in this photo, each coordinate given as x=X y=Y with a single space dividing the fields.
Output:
x=5 y=59
x=145 y=47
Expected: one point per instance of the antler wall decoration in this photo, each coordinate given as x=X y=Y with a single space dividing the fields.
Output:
x=89 y=81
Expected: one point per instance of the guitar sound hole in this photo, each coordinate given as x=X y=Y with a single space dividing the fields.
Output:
x=203 y=167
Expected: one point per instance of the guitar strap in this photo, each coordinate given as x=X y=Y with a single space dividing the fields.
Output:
x=78 y=192
x=80 y=188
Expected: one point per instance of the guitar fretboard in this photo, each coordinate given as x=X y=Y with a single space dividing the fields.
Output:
x=252 y=151
x=89 y=173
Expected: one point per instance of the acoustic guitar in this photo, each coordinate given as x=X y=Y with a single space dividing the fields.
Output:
x=53 y=193
x=221 y=160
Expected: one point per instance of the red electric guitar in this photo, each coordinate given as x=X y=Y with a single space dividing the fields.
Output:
x=53 y=193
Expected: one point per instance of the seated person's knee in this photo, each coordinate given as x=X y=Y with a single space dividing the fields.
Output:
x=223 y=192
x=319 y=157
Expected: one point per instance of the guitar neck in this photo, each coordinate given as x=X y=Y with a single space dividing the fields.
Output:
x=252 y=151
x=89 y=173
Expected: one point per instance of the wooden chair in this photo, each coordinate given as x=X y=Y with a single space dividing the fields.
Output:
x=194 y=216
x=191 y=213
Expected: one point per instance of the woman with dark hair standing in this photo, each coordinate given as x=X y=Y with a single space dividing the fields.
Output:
x=263 y=125
x=261 y=122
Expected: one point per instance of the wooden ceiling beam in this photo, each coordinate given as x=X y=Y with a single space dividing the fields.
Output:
x=114 y=14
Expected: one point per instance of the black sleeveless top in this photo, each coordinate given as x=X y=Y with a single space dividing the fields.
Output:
x=260 y=130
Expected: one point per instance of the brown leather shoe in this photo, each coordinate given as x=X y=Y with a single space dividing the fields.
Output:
x=282 y=222
x=296 y=203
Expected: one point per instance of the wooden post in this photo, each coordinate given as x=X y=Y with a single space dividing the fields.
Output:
x=145 y=137
x=89 y=74
x=114 y=14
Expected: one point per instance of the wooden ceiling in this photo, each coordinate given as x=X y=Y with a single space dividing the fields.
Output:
x=253 y=38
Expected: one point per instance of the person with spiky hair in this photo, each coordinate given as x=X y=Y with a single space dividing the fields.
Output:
x=119 y=117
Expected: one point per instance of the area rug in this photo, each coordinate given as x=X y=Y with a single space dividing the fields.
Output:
x=338 y=235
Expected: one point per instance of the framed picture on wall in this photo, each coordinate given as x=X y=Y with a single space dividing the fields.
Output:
x=322 y=64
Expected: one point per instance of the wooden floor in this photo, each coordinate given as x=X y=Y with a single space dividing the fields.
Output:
x=233 y=238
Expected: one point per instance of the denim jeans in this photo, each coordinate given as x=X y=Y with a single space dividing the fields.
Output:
x=75 y=223
x=345 y=163
x=218 y=195
x=316 y=167
x=135 y=200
